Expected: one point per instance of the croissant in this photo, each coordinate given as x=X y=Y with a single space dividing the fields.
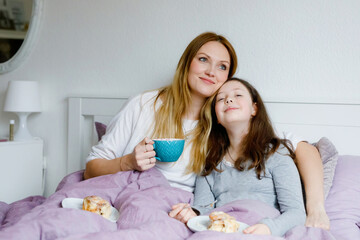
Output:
x=97 y=205
x=223 y=222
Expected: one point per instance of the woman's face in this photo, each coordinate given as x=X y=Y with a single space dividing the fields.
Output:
x=234 y=104
x=208 y=69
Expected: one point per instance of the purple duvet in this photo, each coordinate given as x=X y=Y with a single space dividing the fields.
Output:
x=143 y=200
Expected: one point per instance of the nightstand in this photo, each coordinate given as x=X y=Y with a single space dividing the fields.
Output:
x=21 y=169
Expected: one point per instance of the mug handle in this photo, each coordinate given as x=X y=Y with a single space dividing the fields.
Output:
x=157 y=158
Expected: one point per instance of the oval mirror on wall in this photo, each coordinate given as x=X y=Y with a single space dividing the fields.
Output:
x=19 y=22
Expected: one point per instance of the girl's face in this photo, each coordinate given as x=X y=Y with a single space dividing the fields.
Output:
x=209 y=69
x=234 y=104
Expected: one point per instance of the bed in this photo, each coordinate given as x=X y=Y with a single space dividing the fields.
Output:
x=144 y=199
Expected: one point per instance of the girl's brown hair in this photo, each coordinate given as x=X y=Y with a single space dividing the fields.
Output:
x=257 y=145
x=176 y=99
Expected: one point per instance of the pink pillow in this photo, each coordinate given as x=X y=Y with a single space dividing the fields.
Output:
x=329 y=156
x=343 y=202
x=100 y=129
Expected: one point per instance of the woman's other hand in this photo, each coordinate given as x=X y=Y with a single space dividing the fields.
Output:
x=143 y=156
x=318 y=218
x=260 y=228
x=182 y=212
x=309 y=163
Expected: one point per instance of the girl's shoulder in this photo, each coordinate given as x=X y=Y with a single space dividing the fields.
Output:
x=282 y=150
x=282 y=154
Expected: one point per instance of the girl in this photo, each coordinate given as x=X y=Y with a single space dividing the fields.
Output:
x=244 y=154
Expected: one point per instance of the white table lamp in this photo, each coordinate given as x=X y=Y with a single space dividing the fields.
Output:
x=23 y=98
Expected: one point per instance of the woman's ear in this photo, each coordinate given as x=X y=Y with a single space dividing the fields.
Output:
x=254 y=111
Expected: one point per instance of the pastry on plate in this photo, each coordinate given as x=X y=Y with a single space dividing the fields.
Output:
x=97 y=205
x=223 y=222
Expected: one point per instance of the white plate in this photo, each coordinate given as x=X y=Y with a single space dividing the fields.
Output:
x=201 y=223
x=77 y=203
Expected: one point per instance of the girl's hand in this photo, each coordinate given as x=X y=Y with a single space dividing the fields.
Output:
x=260 y=228
x=182 y=212
x=143 y=156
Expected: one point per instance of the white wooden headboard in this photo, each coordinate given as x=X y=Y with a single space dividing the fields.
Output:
x=82 y=113
x=338 y=122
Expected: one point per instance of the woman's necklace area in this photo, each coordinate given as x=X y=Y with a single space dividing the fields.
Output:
x=188 y=126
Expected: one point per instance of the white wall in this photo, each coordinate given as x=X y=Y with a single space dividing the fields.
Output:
x=306 y=51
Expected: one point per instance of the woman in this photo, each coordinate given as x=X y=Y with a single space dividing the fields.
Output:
x=171 y=111
x=174 y=111
x=246 y=160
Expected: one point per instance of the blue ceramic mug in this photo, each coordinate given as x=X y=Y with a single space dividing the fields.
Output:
x=168 y=149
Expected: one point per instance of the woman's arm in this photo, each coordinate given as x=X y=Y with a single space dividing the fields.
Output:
x=119 y=149
x=310 y=167
x=141 y=159
x=98 y=167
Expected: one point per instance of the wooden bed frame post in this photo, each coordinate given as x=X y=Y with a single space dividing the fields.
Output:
x=75 y=121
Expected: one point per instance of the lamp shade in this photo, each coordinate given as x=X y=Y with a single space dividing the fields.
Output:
x=22 y=96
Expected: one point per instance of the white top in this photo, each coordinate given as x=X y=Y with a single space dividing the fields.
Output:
x=132 y=124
